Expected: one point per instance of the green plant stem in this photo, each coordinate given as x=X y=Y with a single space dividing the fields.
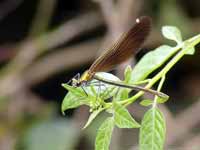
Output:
x=142 y=82
x=159 y=89
x=192 y=42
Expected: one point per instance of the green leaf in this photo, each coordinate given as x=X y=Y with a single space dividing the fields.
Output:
x=161 y=100
x=77 y=97
x=191 y=51
x=190 y=48
x=172 y=33
x=122 y=94
x=72 y=101
x=104 y=134
x=93 y=116
x=152 y=131
x=122 y=117
x=105 y=91
x=127 y=74
x=110 y=92
x=108 y=76
x=150 y=62
x=74 y=90
x=146 y=102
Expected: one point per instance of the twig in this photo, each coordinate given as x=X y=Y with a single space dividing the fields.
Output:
x=61 y=60
x=43 y=15
x=61 y=35
x=109 y=12
x=31 y=49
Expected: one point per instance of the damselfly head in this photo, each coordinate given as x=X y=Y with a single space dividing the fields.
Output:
x=81 y=81
x=75 y=82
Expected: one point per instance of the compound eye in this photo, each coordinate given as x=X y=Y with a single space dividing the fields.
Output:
x=74 y=82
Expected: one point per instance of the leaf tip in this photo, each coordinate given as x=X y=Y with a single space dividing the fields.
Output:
x=63 y=110
x=63 y=113
x=172 y=33
x=83 y=128
x=63 y=84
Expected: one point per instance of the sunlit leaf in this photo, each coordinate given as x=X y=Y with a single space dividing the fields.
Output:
x=122 y=94
x=75 y=91
x=93 y=115
x=152 y=131
x=72 y=101
x=191 y=51
x=104 y=134
x=104 y=90
x=190 y=48
x=127 y=74
x=161 y=100
x=74 y=98
x=172 y=33
x=88 y=95
x=150 y=62
x=122 y=117
x=146 y=102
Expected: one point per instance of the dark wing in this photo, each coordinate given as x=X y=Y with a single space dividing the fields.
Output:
x=124 y=48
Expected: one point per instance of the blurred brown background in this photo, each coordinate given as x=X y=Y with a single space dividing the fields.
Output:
x=44 y=43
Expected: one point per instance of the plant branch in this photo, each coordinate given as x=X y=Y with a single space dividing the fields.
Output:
x=29 y=50
x=193 y=41
x=43 y=15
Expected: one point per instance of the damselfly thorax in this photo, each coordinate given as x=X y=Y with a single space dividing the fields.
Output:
x=83 y=79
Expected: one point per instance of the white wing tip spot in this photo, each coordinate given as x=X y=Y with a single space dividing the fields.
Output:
x=137 y=20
